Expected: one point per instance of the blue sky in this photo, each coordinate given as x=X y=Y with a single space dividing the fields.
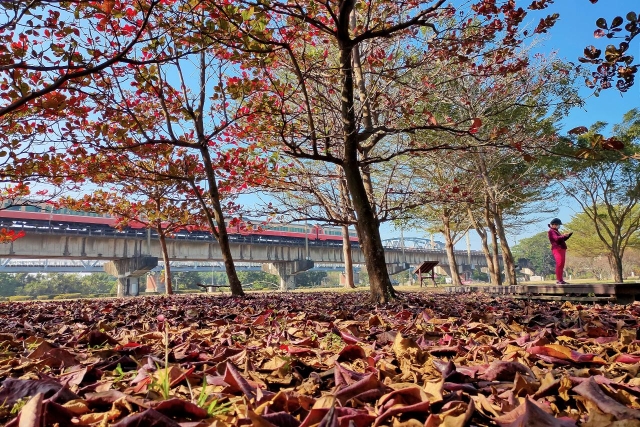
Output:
x=568 y=38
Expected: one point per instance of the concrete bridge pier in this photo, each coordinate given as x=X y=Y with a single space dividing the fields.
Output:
x=397 y=267
x=286 y=271
x=126 y=268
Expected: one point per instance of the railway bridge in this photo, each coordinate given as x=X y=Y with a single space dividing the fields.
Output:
x=133 y=255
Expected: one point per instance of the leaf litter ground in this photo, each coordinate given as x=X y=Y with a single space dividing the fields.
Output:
x=320 y=359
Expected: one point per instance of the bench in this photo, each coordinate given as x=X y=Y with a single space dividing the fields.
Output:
x=210 y=288
x=426 y=268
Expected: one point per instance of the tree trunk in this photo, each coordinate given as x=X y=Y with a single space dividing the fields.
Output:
x=165 y=259
x=484 y=245
x=348 y=258
x=371 y=242
x=496 y=277
x=615 y=261
x=221 y=235
x=347 y=214
x=507 y=256
x=367 y=119
x=453 y=264
x=451 y=257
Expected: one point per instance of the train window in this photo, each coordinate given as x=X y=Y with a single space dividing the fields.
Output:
x=32 y=209
x=15 y=208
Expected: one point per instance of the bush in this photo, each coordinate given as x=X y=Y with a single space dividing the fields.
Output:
x=20 y=298
x=43 y=297
x=68 y=296
x=104 y=295
x=186 y=291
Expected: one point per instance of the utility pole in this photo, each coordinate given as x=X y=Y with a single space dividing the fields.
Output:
x=306 y=237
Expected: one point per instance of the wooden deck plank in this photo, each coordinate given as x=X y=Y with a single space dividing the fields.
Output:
x=623 y=293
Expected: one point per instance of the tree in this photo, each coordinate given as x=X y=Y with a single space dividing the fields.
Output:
x=447 y=217
x=308 y=191
x=536 y=251
x=51 y=284
x=310 y=278
x=49 y=48
x=501 y=182
x=188 y=279
x=305 y=52
x=606 y=187
x=159 y=107
x=98 y=283
x=140 y=192
x=606 y=231
x=8 y=284
x=258 y=277
x=50 y=51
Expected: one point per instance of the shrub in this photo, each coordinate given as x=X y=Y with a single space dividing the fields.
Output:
x=20 y=298
x=186 y=291
x=43 y=297
x=68 y=296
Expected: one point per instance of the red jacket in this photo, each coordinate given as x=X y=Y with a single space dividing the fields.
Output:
x=557 y=240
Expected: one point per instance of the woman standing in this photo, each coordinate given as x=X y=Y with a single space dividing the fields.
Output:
x=558 y=248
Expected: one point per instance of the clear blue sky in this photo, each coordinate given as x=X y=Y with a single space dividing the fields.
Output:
x=568 y=38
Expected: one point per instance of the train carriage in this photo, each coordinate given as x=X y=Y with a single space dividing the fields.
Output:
x=48 y=218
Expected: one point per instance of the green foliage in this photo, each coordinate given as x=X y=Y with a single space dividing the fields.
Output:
x=309 y=278
x=9 y=283
x=45 y=286
x=604 y=180
x=17 y=407
x=98 y=283
x=331 y=341
x=586 y=241
x=480 y=276
x=20 y=298
x=257 y=276
x=537 y=251
x=185 y=280
x=68 y=296
x=202 y=397
x=216 y=408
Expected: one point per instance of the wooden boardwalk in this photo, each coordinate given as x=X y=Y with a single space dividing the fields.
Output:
x=621 y=293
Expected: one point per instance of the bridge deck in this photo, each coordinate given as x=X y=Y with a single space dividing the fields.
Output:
x=623 y=293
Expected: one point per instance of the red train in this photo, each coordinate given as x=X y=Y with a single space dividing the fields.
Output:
x=49 y=218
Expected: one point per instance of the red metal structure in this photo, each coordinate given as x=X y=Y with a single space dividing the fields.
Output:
x=48 y=217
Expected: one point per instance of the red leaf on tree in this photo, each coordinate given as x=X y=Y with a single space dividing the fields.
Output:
x=475 y=125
